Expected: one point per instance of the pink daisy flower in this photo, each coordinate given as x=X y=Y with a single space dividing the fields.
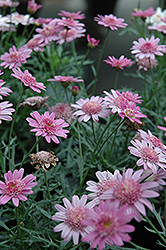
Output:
x=157 y=17
x=15 y=58
x=73 y=15
x=150 y=157
x=47 y=126
x=106 y=179
x=71 y=216
x=147 y=48
x=35 y=44
x=158 y=177
x=28 y=80
x=33 y=7
x=144 y=63
x=132 y=191
x=118 y=63
x=8 y=3
x=15 y=187
x=143 y=14
x=162 y=128
x=6 y=111
x=69 y=23
x=159 y=27
x=69 y=35
x=4 y=91
x=110 y=21
x=42 y=20
x=131 y=111
x=132 y=97
x=93 y=108
x=92 y=42
x=113 y=100
x=17 y=19
x=65 y=80
x=109 y=225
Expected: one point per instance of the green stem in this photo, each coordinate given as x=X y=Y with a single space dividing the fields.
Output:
x=73 y=49
x=93 y=129
x=99 y=61
x=80 y=151
x=155 y=229
x=67 y=95
x=12 y=125
x=112 y=144
x=47 y=186
x=138 y=247
x=116 y=79
x=37 y=144
x=17 y=219
x=80 y=67
x=145 y=87
x=26 y=156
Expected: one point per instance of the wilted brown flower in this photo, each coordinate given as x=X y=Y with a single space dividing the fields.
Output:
x=44 y=159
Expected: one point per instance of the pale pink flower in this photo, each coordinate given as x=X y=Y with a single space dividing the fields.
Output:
x=43 y=159
x=6 y=111
x=35 y=44
x=132 y=97
x=28 y=80
x=110 y=21
x=106 y=179
x=93 y=108
x=146 y=63
x=15 y=57
x=143 y=14
x=92 y=42
x=34 y=102
x=131 y=111
x=162 y=128
x=65 y=80
x=4 y=91
x=157 y=16
x=47 y=126
x=150 y=157
x=73 y=15
x=33 y=7
x=131 y=190
x=15 y=187
x=118 y=63
x=109 y=225
x=150 y=138
x=158 y=177
x=161 y=27
x=147 y=48
x=69 y=35
x=8 y=3
x=71 y=216
x=69 y=23
x=62 y=111
x=17 y=19
x=113 y=100
x=42 y=20
x=4 y=24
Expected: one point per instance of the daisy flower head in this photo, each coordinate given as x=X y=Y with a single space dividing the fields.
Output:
x=158 y=177
x=129 y=110
x=156 y=17
x=17 y=19
x=33 y=7
x=131 y=190
x=73 y=15
x=162 y=128
x=6 y=111
x=118 y=63
x=43 y=159
x=15 y=187
x=69 y=35
x=4 y=91
x=113 y=100
x=5 y=25
x=35 y=44
x=147 y=48
x=106 y=179
x=110 y=21
x=132 y=97
x=65 y=80
x=150 y=157
x=146 y=63
x=8 y=3
x=143 y=14
x=94 y=108
x=28 y=80
x=34 y=102
x=92 y=42
x=71 y=216
x=69 y=23
x=15 y=57
x=47 y=126
x=109 y=225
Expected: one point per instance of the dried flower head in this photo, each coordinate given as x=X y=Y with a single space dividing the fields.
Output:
x=34 y=102
x=44 y=159
x=62 y=111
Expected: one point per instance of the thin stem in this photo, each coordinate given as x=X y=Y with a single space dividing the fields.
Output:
x=145 y=87
x=155 y=229
x=12 y=125
x=48 y=191
x=80 y=67
x=26 y=156
x=80 y=151
x=37 y=144
x=17 y=219
x=99 y=61
x=116 y=79
x=67 y=95
x=138 y=247
x=73 y=49
x=112 y=144
x=93 y=129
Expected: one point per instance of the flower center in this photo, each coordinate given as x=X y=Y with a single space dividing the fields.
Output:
x=49 y=31
x=148 y=47
x=29 y=80
x=91 y=107
x=149 y=154
x=107 y=224
x=129 y=112
x=15 y=57
x=74 y=217
x=127 y=191
x=47 y=125
x=110 y=21
x=106 y=185
x=14 y=187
